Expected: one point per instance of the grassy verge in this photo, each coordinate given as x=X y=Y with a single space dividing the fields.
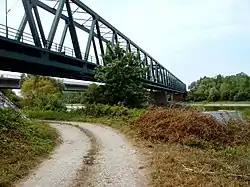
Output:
x=178 y=165
x=246 y=113
x=219 y=102
x=23 y=145
x=193 y=153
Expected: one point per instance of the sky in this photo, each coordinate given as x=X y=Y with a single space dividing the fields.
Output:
x=191 y=38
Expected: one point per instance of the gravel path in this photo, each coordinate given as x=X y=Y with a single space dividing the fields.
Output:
x=116 y=164
x=60 y=170
x=90 y=156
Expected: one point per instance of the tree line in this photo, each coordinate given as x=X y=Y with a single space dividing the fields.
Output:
x=220 y=88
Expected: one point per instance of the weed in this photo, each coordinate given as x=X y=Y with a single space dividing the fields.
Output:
x=23 y=144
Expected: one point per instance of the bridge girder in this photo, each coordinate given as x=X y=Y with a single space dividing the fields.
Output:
x=156 y=75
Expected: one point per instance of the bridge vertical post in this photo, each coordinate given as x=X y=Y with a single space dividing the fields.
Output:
x=95 y=51
x=65 y=29
x=27 y=8
x=157 y=72
x=114 y=39
x=148 y=68
x=168 y=80
x=90 y=39
x=128 y=48
x=52 y=31
x=100 y=39
x=21 y=28
x=152 y=69
x=72 y=31
x=164 y=77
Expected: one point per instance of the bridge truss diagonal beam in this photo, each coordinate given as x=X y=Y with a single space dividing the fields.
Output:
x=99 y=32
x=55 y=22
x=28 y=11
x=72 y=31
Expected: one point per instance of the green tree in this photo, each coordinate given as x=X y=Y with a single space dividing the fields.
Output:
x=42 y=92
x=214 y=95
x=95 y=94
x=121 y=75
x=224 y=91
x=233 y=88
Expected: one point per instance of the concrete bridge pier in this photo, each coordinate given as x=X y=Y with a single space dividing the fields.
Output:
x=158 y=97
x=162 y=98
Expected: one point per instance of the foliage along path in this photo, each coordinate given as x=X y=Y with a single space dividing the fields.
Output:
x=95 y=156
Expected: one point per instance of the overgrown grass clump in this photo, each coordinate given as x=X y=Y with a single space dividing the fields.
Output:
x=90 y=111
x=246 y=113
x=190 y=127
x=22 y=145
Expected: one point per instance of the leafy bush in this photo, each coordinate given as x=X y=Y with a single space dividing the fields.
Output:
x=49 y=115
x=90 y=110
x=98 y=110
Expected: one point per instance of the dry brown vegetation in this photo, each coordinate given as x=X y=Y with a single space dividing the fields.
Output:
x=192 y=149
x=186 y=126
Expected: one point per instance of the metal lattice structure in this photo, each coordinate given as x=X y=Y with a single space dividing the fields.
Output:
x=100 y=32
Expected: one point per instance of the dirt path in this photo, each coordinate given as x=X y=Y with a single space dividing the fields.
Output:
x=90 y=156
x=60 y=170
x=116 y=163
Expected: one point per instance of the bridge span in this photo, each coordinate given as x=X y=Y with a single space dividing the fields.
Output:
x=12 y=82
x=36 y=53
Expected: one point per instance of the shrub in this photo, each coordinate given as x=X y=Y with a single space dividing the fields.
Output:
x=90 y=110
x=49 y=115
x=99 y=110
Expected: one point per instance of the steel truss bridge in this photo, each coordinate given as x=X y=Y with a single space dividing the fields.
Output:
x=37 y=53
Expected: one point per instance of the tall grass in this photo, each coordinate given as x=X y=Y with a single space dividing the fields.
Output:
x=246 y=113
x=23 y=143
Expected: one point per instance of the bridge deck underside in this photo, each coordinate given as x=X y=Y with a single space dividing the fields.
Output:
x=24 y=58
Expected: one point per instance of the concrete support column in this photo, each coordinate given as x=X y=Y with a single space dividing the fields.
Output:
x=169 y=97
x=158 y=97
x=172 y=97
x=178 y=97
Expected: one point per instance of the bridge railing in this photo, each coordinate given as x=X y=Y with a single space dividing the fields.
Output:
x=27 y=38
x=156 y=73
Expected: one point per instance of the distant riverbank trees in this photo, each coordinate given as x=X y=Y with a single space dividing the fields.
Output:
x=220 y=88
